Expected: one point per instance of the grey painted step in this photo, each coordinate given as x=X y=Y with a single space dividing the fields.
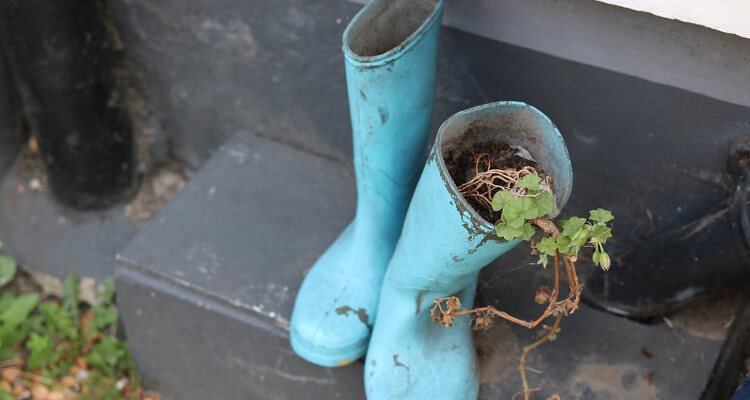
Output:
x=596 y=355
x=54 y=239
x=207 y=288
x=206 y=291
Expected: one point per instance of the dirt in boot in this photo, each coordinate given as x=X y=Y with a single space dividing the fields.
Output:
x=465 y=161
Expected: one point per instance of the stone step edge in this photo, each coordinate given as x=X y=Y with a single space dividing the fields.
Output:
x=185 y=291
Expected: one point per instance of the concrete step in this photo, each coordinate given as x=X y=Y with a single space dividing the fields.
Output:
x=207 y=287
x=53 y=239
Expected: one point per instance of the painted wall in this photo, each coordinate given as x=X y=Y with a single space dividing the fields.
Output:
x=728 y=16
x=10 y=136
x=209 y=70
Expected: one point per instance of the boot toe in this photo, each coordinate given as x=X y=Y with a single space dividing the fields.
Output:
x=336 y=339
x=335 y=306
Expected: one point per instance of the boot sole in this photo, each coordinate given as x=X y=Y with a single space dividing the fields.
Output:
x=327 y=356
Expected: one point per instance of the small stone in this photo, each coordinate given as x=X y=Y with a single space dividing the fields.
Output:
x=82 y=375
x=68 y=381
x=10 y=374
x=120 y=384
x=39 y=392
x=35 y=184
x=33 y=145
x=88 y=291
x=56 y=395
x=21 y=393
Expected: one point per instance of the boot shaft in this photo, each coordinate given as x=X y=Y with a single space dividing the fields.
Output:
x=445 y=242
x=390 y=49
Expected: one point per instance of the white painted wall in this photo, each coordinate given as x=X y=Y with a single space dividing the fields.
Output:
x=730 y=16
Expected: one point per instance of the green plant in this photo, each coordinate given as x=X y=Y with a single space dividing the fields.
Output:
x=14 y=313
x=530 y=203
x=63 y=341
x=525 y=202
x=7 y=269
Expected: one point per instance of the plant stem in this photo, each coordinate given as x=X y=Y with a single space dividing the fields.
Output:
x=527 y=349
x=528 y=324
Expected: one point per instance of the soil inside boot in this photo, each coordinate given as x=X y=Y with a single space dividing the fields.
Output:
x=463 y=160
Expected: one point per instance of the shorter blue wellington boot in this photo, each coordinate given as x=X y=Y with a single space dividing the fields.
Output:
x=443 y=245
x=390 y=49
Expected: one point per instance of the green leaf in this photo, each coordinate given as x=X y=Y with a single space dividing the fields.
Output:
x=563 y=242
x=59 y=322
x=508 y=232
x=7 y=269
x=547 y=246
x=5 y=299
x=70 y=293
x=528 y=232
x=601 y=215
x=512 y=219
x=13 y=319
x=530 y=182
x=70 y=304
x=600 y=233
x=41 y=351
x=5 y=395
x=521 y=207
x=545 y=203
x=107 y=294
x=17 y=311
x=543 y=260
x=581 y=236
x=571 y=225
x=107 y=354
x=104 y=317
x=501 y=199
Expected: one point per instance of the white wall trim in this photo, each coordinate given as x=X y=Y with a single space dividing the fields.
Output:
x=730 y=16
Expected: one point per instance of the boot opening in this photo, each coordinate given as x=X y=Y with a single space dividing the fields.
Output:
x=467 y=163
x=510 y=144
x=387 y=25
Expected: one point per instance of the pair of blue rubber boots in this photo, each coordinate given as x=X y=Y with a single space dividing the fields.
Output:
x=371 y=292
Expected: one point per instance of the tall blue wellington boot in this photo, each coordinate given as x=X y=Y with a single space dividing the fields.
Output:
x=443 y=245
x=391 y=51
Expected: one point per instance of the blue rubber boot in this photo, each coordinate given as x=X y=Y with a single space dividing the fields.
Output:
x=443 y=245
x=743 y=392
x=390 y=48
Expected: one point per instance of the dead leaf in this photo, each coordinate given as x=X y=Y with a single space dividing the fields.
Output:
x=543 y=294
x=482 y=322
